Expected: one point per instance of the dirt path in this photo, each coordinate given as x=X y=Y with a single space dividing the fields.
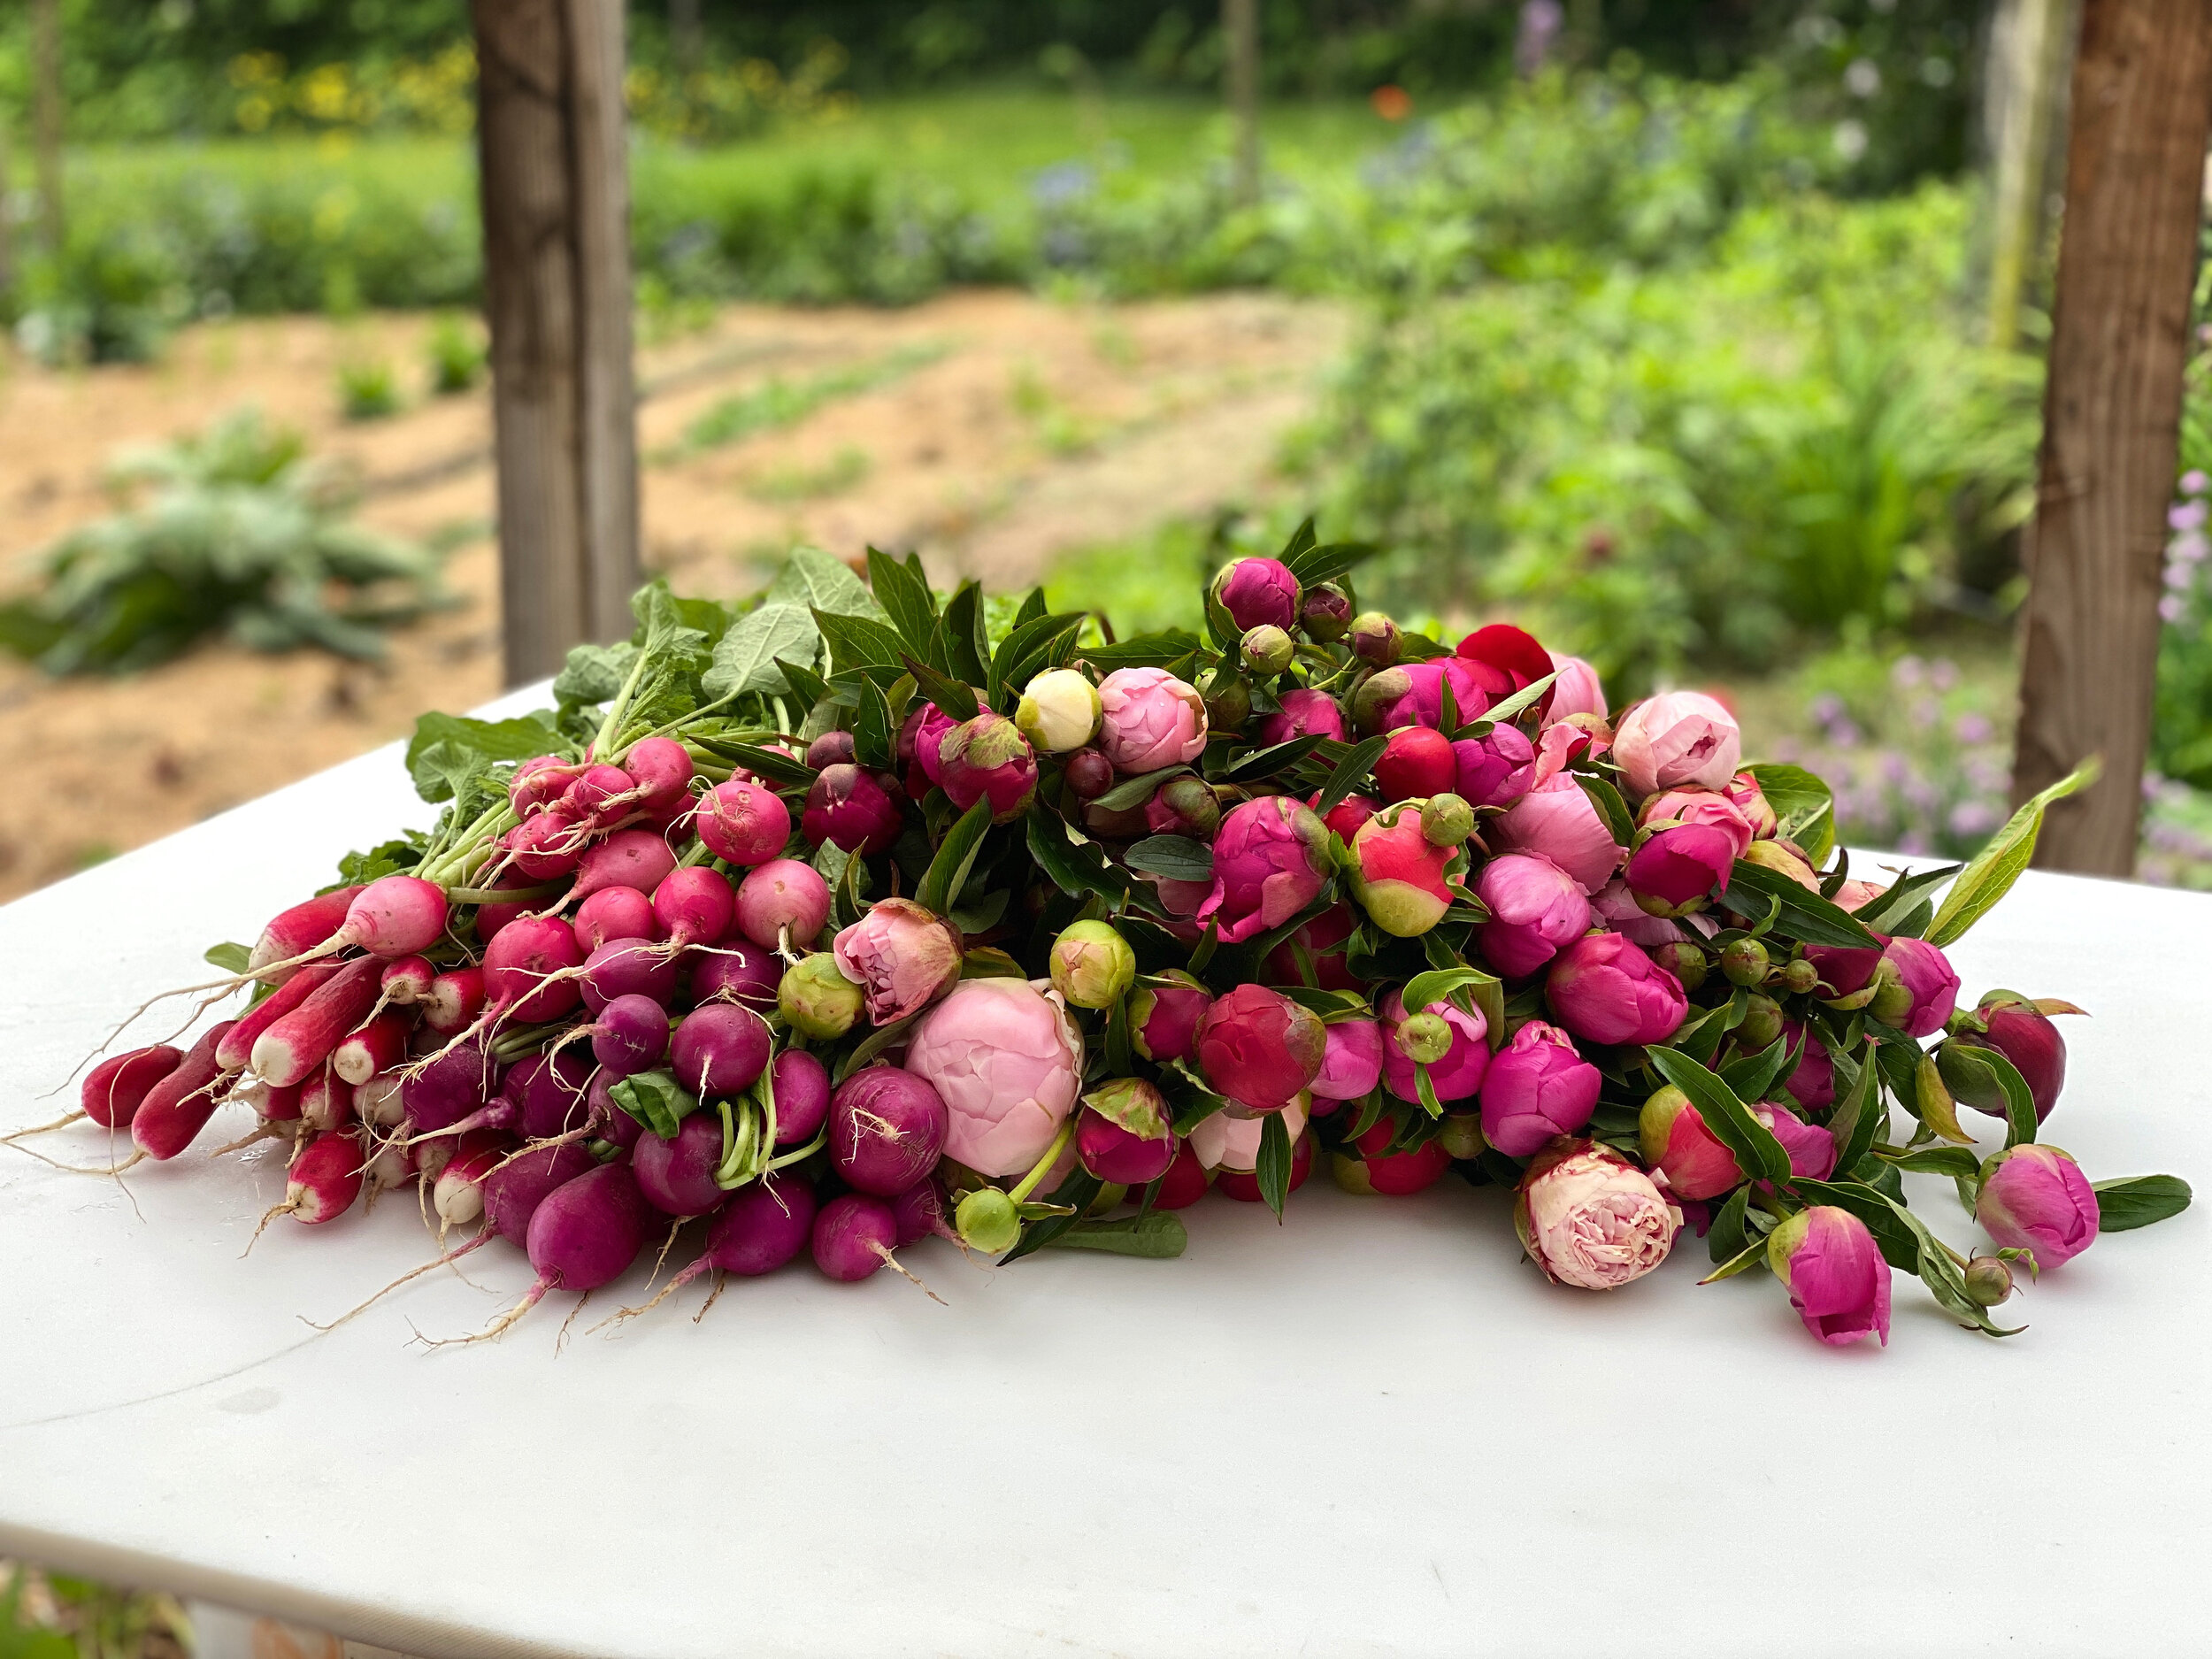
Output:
x=993 y=431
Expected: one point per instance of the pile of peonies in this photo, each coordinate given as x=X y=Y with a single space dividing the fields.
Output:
x=1021 y=936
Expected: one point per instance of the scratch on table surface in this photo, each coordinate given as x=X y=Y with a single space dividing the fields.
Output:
x=1440 y=1584
x=82 y=1413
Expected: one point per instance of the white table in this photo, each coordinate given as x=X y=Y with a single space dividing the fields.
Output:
x=1369 y=1430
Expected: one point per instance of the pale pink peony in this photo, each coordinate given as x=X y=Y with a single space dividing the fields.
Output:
x=1008 y=1061
x=901 y=953
x=1590 y=1219
x=1676 y=738
x=1226 y=1143
x=1557 y=821
x=1149 y=719
x=1577 y=690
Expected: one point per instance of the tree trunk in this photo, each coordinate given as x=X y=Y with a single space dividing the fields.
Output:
x=2141 y=110
x=556 y=292
x=686 y=36
x=47 y=118
x=2027 y=55
x=1241 y=28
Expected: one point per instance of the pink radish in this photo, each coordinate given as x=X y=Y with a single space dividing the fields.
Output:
x=545 y=847
x=530 y=970
x=495 y=914
x=694 y=905
x=718 y=1050
x=324 y=1180
x=539 y=782
x=677 y=1175
x=177 y=1108
x=325 y=1102
x=456 y=998
x=246 y=1030
x=781 y=900
x=920 y=1211
x=513 y=1191
x=853 y=1236
x=272 y=1105
x=613 y=913
x=743 y=822
x=586 y=1233
x=377 y=1047
x=294 y=933
x=601 y=796
x=628 y=967
x=630 y=1035
x=763 y=1225
x=738 y=971
x=887 y=1127
x=458 y=1195
x=111 y=1095
x=294 y=1046
x=663 y=770
x=802 y=1086
x=382 y=1101
x=407 y=981
x=548 y=1091
x=393 y=916
x=634 y=858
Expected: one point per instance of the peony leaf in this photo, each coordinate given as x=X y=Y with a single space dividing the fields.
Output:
x=1263 y=762
x=1174 y=857
x=1932 y=1104
x=947 y=871
x=1804 y=809
x=950 y=695
x=1728 y=1235
x=905 y=598
x=1137 y=790
x=1753 y=1255
x=1506 y=708
x=2138 y=1201
x=1990 y=873
x=1892 y=912
x=1758 y=1154
x=1859 y=1118
x=1158 y=1235
x=1803 y=915
x=1075 y=1193
x=1274 y=1162
x=1350 y=772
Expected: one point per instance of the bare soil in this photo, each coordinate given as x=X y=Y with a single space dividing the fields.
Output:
x=994 y=431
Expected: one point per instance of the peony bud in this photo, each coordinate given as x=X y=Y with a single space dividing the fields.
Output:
x=1091 y=964
x=1535 y=910
x=1496 y=769
x=1376 y=638
x=1059 y=712
x=2017 y=1029
x=988 y=1221
x=1605 y=989
x=1415 y=763
x=832 y=748
x=1325 y=612
x=1351 y=1060
x=1447 y=820
x=1089 y=775
x=1777 y=856
x=1744 y=962
x=1377 y=695
x=815 y=999
x=1557 y=821
x=1348 y=815
x=1374 y=1170
x=1423 y=1038
x=1799 y=977
x=2035 y=1197
x=1577 y=690
x=1925 y=993
x=1270 y=861
x=922 y=741
x=1163 y=1018
x=1183 y=806
x=1988 y=1281
x=1008 y=1061
x=1231 y=1144
x=1675 y=869
x=1762 y=1022
x=1744 y=793
x=988 y=759
x=1838 y=1281
x=1672 y=1135
x=1398 y=873
x=1675 y=739
x=1259 y=1049
x=1123 y=1132
x=1813 y=1084
x=1457 y=1073
x=1148 y=720
x=1305 y=713
x=1266 y=651
x=1590 y=1219
x=1460 y=1134
x=1228 y=700
x=1537 y=1086
x=1423 y=704
x=1683 y=960
x=854 y=808
x=902 y=955
x=1257 y=592
x=1318 y=939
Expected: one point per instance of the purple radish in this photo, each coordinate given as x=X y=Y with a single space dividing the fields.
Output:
x=630 y=1035
x=529 y=970
x=586 y=1233
x=513 y=1191
x=782 y=896
x=764 y=1225
x=803 y=1097
x=629 y=967
x=743 y=822
x=614 y=1126
x=246 y=1030
x=291 y=934
x=853 y=1236
x=634 y=858
x=449 y=1088
x=920 y=1212
x=178 y=1106
x=677 y=1175
x=694 y=905
x=614 y=913
x=548 y=1092
x=887 y=1127
x=455 y=999
x=293 y=1046
x=721 y=1049
x=738 y=971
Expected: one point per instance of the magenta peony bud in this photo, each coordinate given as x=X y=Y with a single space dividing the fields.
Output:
x=1605 y=989
x=1259 y=1049
x=2021 y=1031
x=1325 y=612
x=1925 y=993
x=922 y=740
x=1837 y=1278
x=902 y=955
x=1089 y=775
x=1845 y=970
x=1316 y=938
x=1123 y=1133
x=988 y=759
x=1398 y=872
x=1304 y=712
x=1415 y=763
x=1535 y=911
x=1008 y=1061
x=1672 y=1136
x=1615 y=908
x=1557 y=821
x=1458 y=1074
x=1348 y=815
x=2035 y=1197
x=831 y=749
x=1184 y=805
x=1676 y=738
x=1496 y=769
x=1744 y=793
x=1813 y=1084
x=1577 y=690
x=1149 y=719
x=1258 y=593
x=1163 y=1018
x=1423 y=701
x=1270 y=861
x=1590 y=1219
x=1675 y=871
x=1376 y=638
x=855 y=810
x=1351 y=1061
x=1537 y=1087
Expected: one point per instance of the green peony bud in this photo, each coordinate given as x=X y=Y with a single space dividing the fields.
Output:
x=1424 y=1038
x=1267 y=650
x=817 y=999
x=1744 y=962
x=988 y=1220
x=1091 y=964
x=1447 y=820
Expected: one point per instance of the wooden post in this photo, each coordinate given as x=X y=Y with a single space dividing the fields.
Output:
x=2027 y=62
x=686 y=36
x=46 y=118
x=1241 y=27
x=2141 y=110
x=555 y=184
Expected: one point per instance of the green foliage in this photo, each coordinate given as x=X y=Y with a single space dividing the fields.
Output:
x=242 y=533
x=367 y=389
x=457 y=354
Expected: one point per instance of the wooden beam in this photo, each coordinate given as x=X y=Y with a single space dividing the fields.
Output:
x=554 y=181
x=1241 y=24
x=2141 y=112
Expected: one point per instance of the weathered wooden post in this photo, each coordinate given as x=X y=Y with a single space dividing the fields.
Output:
x=1241 y=27
x=46 y=119
x=2142 y=108
x=555 y=182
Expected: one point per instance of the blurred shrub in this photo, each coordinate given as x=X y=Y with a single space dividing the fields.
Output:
x=367 y=389
x=2181 y=734
x=457 y=354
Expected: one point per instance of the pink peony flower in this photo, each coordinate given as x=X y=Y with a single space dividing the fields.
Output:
x=1577 y=690
x=1556 y=820
x=854 y=808
x=1673 y=1137
x=1224 y=1141
x=1813 y=1084
x=988 y=759
x=1590 y=1219
x=1536 y=909
x=1270 y=861
x=1676 y=738
x=1505 y=659
x=2036 y=1198
x=1744 y=793
x=1351 y=1060
x=1258 y=593
x=1454 y=1077
x=1423 y=702
x=1838 y=1281
x=901 y=953
x=1163 y=1018
x=1259 y=1049
x=1399 y=874
x=1537 y=1087
x=1614 y=907
x=1494 y=771
x=1605 y=989
x=1149 y=719
x=1675 y=869
x=1304 y=711
x=1009 y=1063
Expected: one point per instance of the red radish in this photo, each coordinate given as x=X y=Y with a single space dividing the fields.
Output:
x=393 y=916
x=382 y=1101
x=738 y=971
x=853 y=1236
x=294 y=1046
x=111 y=1095
x=407 y=980
x=293 y=933
x=588 y=1233
x=493 y=917
x=324 y=1180
x=662 y=768
x=628 y=967
x=548 y=1091
x=694 y=905
x=781 y=900
x=428 y=1158
x=801 y=1088
x=613 y=913
x=456 y=998
x=630 y=1035
x=177 y=1108
x=743 y=822
x=539 y=782
x=1244 y=1186
x=513 y=1191
x=247 y=1029
x=887 y=1126
x=546 y=847
x=634 y=858
x=601 y=796
x=613 y=1125
x=449 y=1088
x=377 y=1047
x=721 y=1049
x=764 y=1225
x=458 y=1195
x=677 y=1175
x=325 y=1102
x=387 y=1167
x=530 y=970
x=272 y=1105
x=920 y=1212
x=1185 y=1182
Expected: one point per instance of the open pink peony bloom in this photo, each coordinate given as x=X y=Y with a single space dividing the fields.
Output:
x=1224 y=1141
x=1008 y=1061
x=1398 y=875
x=1537 y=1087
x=1604 y=989
x=901 y=953
x=1304 y=711
x=1578 y=689
x=1270 y=861
x=1838 y=1281
x=1149 y=719
x=1676 y=738
x=1454 y=1077
x=1258 y=1048
x=2036 y=1198
x=1590 y=1219
x=1557 y=821
x=1351 y=1061
x=1535 y=910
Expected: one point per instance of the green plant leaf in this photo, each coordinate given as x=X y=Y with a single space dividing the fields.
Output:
x=1505 y=708
x=858 y=642
x=1137 y=790
x=774 y=764
x=1174 y=858
x=1330 y=560
x=905 y=598
x=1892 y=912
x=1727 y=1236
x=1350 y=771
x=1804 y=916
x=1758 y=1154
x=1265 y=763
x=1273 y=1163
x=745 y=659
x=1858 y=1117
x=1158 y=1235
x=966 y=650
x=949 y=870
x=1436 y=985
x=1075 y=1194
x=656 y=1100
x=2138 y=1201
x=448 y=750
x=816 y=580
x=1078 y=868
x=1612 y=810
x=231 y=958
x=950 y=695
x=1990 y=873
x=1804 y=808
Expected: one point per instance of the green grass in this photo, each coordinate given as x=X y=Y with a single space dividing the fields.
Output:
x=777 y=403
x=784 y=484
